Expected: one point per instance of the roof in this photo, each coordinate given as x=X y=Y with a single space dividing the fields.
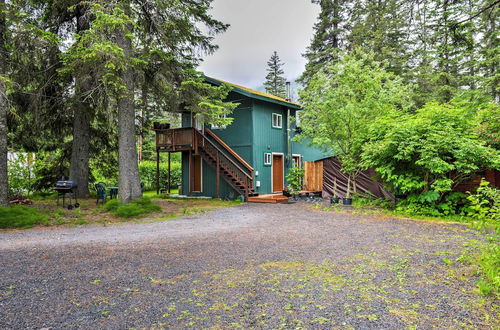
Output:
x=255 y=94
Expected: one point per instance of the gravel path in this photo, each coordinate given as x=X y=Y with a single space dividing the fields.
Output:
x=250 y=266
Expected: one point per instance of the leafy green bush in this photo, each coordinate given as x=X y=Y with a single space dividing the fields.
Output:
x=428 y=151
x=17 y=216
x=432 y=204
x=295 y=177
x=485 y=207
x=147 y=173
x=135 y=208
x=21 y=176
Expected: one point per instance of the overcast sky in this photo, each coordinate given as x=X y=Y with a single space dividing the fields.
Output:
x=259 y=27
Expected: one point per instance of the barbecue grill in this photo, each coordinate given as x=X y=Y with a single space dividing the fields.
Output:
x=67 y=188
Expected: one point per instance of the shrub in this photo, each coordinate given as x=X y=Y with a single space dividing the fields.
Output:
x=485 y=207
x=147 y=173
x=21 y=176
x=428 y=151
x=432 y=204
x=17 y=216
x=295 y=177
x=135 y=208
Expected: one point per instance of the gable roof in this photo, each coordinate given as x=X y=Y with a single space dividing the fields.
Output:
x=255 y=94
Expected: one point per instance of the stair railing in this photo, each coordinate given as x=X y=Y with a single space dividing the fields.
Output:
x=241 y=176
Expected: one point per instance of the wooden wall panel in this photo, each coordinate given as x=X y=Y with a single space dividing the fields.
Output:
x=313 y=177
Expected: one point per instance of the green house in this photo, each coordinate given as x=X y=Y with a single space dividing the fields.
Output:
x=250 y=157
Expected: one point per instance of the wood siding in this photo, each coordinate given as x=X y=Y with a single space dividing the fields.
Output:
x=313 y=176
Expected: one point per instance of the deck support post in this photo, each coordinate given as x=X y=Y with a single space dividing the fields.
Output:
x=158 y=171
x=169 y=177
x=217 y=170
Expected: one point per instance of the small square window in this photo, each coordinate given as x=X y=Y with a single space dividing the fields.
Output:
x=214 y=126
x=297 y=162
x=277 y=120
x=267 y=158
x=297 y=118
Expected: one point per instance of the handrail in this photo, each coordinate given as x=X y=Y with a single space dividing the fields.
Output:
x=229 y=149
x=223 y=154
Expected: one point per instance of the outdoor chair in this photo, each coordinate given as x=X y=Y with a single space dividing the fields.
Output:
x=102 y=195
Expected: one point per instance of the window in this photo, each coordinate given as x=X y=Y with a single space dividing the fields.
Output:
x=277 y=120
x=297 y=118
x=267 y=158
x=214 y=126
x=297 y=161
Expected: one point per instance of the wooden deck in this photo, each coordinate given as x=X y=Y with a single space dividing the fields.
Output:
x=270 y=198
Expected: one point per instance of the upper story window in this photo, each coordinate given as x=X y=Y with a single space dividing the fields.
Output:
x=297 y=118
x=277 y=120
x=214 y=126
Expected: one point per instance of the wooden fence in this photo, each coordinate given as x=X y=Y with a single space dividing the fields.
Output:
x=313 y=176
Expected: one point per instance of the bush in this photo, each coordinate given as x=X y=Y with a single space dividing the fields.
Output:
x=432 y=204
x=295 y=178
x=17 y=216
x=147 y=173
x=21 y=176
x=485 y=207
x=135 y=208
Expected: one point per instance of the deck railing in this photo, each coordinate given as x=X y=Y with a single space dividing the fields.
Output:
x=177 y=139
x=225 y=159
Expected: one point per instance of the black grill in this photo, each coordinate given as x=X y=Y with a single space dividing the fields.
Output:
x=67 y=188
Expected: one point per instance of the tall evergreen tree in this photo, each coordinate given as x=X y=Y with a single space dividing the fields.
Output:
x=155 y=46
x=382 y=27
x=330 y=33
x=4 y=185
x=275 y=83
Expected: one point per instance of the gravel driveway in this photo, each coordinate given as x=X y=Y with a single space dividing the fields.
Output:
x=249 y=266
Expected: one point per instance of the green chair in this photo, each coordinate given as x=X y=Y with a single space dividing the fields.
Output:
x=102 y=195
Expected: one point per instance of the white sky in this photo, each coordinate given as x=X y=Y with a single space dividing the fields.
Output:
x=259 y=27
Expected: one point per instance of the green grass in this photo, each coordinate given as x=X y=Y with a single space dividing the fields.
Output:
x=489 y=265
x=135 y=208
x=17 y=216
x=152 y=194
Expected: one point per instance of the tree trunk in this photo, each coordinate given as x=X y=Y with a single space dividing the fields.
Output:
x=4 y=184
x=83 y=115
x=128 y=177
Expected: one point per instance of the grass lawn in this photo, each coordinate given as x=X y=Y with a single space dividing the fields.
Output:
x=44 y=211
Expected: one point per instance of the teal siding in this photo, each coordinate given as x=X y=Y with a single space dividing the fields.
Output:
x=251 y=135
x=267 y=139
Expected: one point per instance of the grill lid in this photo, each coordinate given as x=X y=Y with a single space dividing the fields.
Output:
x=66 y=184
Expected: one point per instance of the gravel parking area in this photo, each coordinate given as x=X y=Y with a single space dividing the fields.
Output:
x=248 y=266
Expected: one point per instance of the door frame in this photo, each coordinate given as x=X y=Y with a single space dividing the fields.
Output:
x=201 y=174
x=272 y=169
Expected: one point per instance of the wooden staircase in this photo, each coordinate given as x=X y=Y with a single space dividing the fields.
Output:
x=227 y=164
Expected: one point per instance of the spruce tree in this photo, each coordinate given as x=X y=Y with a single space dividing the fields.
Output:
x=4 y=186
x=275 y=83
x=329 y=38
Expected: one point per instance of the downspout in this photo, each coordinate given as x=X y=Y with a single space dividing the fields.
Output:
x=289 y=144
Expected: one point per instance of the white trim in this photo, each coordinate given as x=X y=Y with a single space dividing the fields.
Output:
x=270 y=162
x=280 y=120
x=272 y=170
x=300 y=159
